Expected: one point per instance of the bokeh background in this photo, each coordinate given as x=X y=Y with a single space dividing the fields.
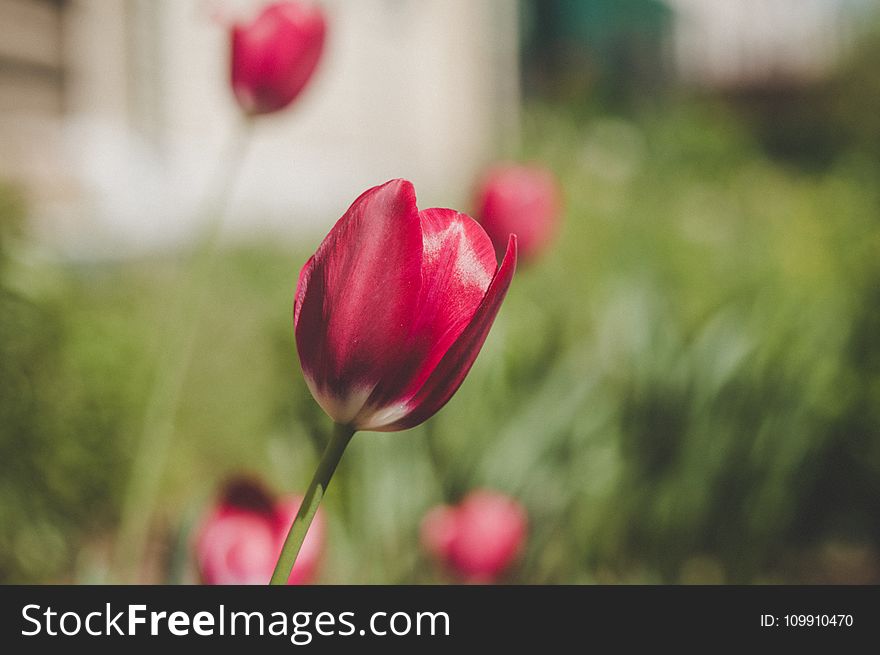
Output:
x=684 y=388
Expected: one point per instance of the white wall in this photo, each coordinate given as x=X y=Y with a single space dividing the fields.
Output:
x=730 y=42
x=421 y=89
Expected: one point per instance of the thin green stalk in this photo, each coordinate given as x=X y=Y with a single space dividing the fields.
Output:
x=157 y=428
x=437 y=459
x=317 y=488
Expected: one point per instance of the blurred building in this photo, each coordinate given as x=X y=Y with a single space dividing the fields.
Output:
x=31 y=90
x=610 y=50
x=729 y=43
x=113 y=113
x=621 y=49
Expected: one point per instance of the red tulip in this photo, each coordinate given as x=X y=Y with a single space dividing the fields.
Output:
x=523 y=200
x=477 y=539
x=240 y=539
x=393 y=308
x=274 y=56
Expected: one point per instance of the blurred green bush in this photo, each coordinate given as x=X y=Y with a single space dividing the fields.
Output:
x=62 y=461
x=814 y=125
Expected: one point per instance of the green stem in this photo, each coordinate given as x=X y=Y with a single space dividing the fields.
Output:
x=178 y=343
x=435 y=455
x=317 y=488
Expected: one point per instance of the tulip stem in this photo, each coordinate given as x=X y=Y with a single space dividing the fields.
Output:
x=342 y=434
x=179 y=334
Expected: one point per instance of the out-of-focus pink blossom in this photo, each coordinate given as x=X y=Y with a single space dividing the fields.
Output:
x=477 y=539
x=522 y=200
x=240 y=538
x=275 y=55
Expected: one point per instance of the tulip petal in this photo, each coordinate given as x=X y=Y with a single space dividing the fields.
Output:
x=452 y=369
x=356 y=299
x=458 y=263
x=301 y=286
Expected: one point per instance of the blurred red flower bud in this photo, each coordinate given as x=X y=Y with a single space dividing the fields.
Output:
x=274 y=56
x=393 y=308
x=240 y=538
x=521 y=200
x=478 y=538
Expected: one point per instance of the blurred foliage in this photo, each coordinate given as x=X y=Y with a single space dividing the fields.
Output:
x=814 y=125
x=604 y=52
x=686 y=389
x=59 y=414
x=729 y=342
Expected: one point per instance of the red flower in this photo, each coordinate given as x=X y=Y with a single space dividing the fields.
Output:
x=477 y=539
x=240 y=539
x=274 y=56
x=523 y=200
x=393 y=308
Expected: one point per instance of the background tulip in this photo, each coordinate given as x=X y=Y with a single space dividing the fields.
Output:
x=477 y=539
x=272 y=59
x=521 y=200
x=239 y=540
x=274 y=56
x=393 y=308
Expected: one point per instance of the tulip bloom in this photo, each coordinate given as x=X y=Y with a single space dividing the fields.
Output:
x=274 y=56
x=523 y=200
x=390 y=314
x=477 y=539
x=393 y=308
x=239 y=540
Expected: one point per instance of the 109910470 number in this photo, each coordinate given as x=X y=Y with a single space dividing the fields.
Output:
x=817 y=620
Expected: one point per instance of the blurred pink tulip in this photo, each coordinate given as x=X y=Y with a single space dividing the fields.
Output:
x=521 y=200
x=274 y=56
x=239 y=540
x=478 y=538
